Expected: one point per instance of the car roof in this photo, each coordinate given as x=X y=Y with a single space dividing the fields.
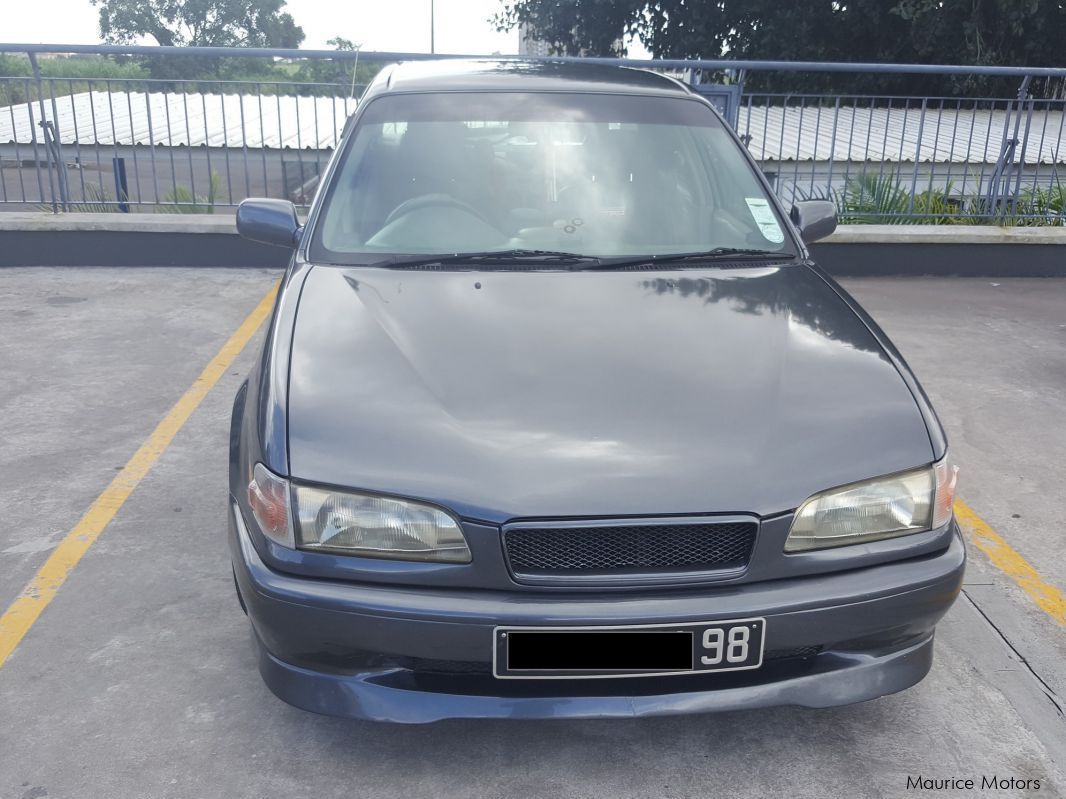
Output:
x=459 y=75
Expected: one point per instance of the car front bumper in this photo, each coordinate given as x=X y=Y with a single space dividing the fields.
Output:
x=416 y=656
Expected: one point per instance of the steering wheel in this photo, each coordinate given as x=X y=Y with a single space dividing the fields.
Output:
x=430 y=200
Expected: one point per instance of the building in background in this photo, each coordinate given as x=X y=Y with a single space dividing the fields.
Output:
x=528 y=44
x=215 y=149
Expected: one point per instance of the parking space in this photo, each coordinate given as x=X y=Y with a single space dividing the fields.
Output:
x=991 y=354
x=91 y=360
x=138 y=679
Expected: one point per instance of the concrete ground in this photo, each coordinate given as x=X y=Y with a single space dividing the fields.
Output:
x=138 y=679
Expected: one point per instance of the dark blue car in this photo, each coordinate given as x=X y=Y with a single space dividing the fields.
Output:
x=556 y=417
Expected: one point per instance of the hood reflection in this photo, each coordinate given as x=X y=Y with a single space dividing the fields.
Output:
x=503 y=394
x=757 y=291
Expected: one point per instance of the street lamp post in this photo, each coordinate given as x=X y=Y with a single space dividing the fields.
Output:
x=432 y=27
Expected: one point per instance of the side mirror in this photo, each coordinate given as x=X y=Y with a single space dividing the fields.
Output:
x=815 y=219
x=269 y=222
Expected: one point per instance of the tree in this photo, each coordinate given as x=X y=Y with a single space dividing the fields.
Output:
x=574 y=27
x=337 y=72
x=200 y=23
x=1015 y=32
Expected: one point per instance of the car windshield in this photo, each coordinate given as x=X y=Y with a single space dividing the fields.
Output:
x=608 y=176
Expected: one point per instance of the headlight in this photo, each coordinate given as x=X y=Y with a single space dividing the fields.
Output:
x=370 y=526
x=886 y=507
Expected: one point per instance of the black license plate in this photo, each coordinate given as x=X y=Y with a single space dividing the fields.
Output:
x=545 y=652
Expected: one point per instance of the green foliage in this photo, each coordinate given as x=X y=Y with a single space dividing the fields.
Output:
x=74 y=66
x=62 y=74
x=880 y=200
x=337 y=73
x=201 y=23
x=72 y=74
x=586 y=27
x=14 y=65
x=98 y=200
x=1037 y=206
x=90 y=66
x=1029 y=32
x=181 y=200
x=1050 y=201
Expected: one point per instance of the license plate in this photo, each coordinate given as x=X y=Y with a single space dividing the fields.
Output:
x=628 y=651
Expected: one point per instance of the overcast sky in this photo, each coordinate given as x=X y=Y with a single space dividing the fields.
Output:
x=398 y=25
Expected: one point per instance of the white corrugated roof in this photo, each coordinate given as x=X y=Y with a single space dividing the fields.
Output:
x=956 y=135
x=164 y=119
x=778 y=133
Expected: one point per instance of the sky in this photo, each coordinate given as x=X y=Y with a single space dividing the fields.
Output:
x=397 y=25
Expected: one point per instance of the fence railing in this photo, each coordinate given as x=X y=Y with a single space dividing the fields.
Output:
x=186 y=146
x=913 y=159
x=201 y=146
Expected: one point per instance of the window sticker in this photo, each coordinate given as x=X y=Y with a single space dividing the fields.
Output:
x=764 y=218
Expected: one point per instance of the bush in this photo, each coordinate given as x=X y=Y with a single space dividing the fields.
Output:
x=879 y=199
x=98 y=200
x=181 y=200
x=62 y=75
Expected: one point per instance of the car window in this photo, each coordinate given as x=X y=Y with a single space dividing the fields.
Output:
x=601 y=175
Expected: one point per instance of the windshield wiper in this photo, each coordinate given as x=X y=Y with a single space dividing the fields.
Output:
x=515 y=256
x=572 y=259
x=717 y=254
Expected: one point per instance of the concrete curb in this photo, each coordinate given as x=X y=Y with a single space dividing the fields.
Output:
x=36 y=221
x=41 y=222
x=945 y=234
x=79 y=239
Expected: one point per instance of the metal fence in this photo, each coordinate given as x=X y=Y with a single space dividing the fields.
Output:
x=201 y=146
x=189 y=146
x=914 y=159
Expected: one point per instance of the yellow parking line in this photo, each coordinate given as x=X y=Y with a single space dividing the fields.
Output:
x=19 y=618
x=1007 y=559
x=34 y=598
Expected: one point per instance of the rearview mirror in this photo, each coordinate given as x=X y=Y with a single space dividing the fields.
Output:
x=269 y=222
x=815 y=219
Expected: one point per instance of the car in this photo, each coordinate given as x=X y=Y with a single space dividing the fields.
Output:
x=556 y=416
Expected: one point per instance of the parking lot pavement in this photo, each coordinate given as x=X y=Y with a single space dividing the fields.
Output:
x=91 y=360
x=992 y=356
x=138 y=679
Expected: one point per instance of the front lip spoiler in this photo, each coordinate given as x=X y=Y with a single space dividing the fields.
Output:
x=840 y=679
x=343 y=649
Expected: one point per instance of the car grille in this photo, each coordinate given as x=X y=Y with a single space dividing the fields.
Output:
x=599 y=552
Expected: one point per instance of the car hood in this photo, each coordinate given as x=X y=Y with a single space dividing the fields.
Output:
x=504 y=395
